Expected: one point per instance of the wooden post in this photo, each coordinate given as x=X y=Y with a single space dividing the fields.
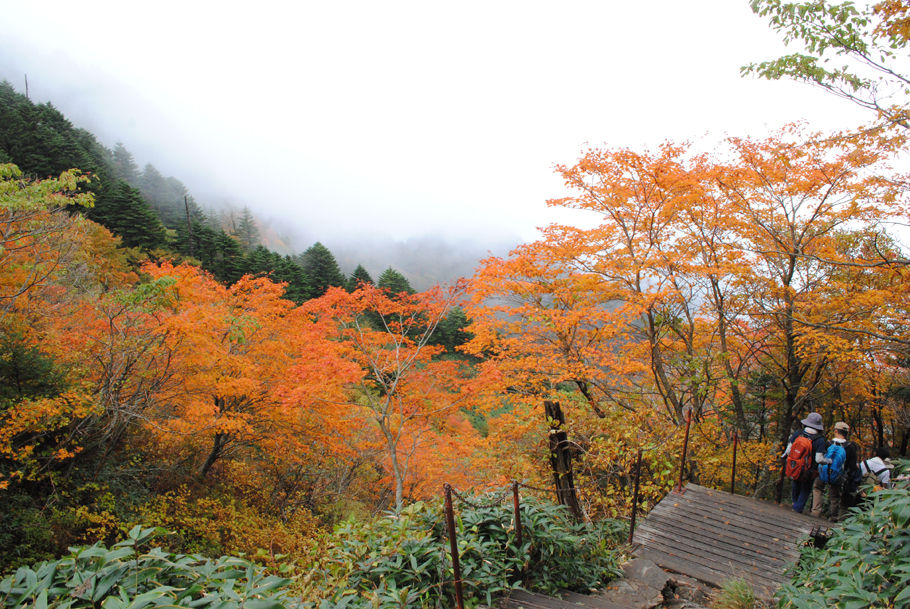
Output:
x=682 y=461
x=635 y=498
x=733 y=472
x=561 y=459
x=517 y=514
x=779 y=495
x=453 y=544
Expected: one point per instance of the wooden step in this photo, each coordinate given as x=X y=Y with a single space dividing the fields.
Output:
x=713 y=536
x=520 y=599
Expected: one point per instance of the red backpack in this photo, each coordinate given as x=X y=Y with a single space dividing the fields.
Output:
x=799 y=461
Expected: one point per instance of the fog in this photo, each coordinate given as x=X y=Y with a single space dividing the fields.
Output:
x=398 y=126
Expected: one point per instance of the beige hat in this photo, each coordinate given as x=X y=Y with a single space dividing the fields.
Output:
x=841 y=426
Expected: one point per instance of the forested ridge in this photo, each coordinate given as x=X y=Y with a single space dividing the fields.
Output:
x=151 y=212
x=84 y=226
x=161 y=368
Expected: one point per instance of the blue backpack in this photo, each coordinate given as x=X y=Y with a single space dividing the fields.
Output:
x=832 y=473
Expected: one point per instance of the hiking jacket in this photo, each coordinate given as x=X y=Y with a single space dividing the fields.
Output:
x=877 y=467
x=850 y=464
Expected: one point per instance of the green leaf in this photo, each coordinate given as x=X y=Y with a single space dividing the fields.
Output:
x=113 y=602
x=263 y=604
x=41 y=601
x=149 y=598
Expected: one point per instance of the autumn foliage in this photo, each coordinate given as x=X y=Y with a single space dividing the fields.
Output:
x=740 y=288
x=743 y=286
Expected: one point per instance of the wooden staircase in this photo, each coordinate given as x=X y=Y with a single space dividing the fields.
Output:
x=713 y=536
x=707 y=535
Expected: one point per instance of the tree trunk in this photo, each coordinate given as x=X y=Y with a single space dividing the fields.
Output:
x=879 y=423
x=583 y=387
x=735 y=394
x=398 y=473
x=217 y=446
x=561 y=459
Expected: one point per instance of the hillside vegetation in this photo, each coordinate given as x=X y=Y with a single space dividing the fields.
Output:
x=159 y=367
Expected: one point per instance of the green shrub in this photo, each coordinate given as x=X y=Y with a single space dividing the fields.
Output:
x=398 y=561
x=403 y=560
x=125 y=577
x=866 y=562
x=735 y=594
x=26 y=536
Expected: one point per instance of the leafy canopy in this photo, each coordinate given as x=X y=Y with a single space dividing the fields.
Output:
x=858 y=54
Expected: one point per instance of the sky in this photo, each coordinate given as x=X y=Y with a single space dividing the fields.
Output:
x=403 y=120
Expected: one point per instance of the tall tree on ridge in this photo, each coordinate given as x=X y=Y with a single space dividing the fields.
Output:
x=394 y=282
x=120 y=208
x=321 y=270
x=124 y=165
x=360 y=275
x=247 y=231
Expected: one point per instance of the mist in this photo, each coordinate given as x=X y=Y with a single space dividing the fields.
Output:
x=399 y=134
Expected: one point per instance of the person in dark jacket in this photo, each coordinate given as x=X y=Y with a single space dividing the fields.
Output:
x=851 y=470
x=836 y=493
x=812 y=429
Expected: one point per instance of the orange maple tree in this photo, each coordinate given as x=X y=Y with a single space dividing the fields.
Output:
x=705 y=273
x=404 y=392
x=233 y=350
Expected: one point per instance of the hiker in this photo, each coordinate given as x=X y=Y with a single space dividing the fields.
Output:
x=852 y=475
x=832 y=474
x=803 y=454
x=877 y=470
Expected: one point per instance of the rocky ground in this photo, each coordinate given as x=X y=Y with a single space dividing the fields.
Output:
x=647 y=586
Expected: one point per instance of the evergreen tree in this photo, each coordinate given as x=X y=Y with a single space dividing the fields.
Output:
x=291 y=273
x=246 y=230
x=394 y=282
x=360 y=275
x=450 y=333
x=321 y=270
x=12 y=123
x=120 y=208
x=96 y=157
x=151 y=184
x=124 y=166
x=281 y=269
x=261 y=261
x=26 y=372
x=42 y=142
x=201 y=247
x=168 y=196
x=229 y=263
